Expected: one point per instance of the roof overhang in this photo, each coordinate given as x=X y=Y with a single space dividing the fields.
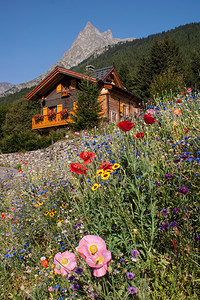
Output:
x=52 y=79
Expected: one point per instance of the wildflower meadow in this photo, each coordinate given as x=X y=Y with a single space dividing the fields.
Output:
x=118 y=219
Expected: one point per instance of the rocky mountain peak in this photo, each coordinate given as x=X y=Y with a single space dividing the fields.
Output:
x=88 y=42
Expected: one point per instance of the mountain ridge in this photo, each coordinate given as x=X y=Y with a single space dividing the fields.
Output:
x=88 y=42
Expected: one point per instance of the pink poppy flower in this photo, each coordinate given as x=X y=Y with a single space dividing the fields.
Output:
x=99 y=261
x=189 y=90
x=64 y=262
x=90 y=245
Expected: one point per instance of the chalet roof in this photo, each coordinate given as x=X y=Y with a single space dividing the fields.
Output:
x=100 y=74
x=54 y=78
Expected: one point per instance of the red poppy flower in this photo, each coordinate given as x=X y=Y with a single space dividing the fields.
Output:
x=105 y=166
x=86 y=157
x=179 y=101
x=3 y=216
x=77 y=168
x=45 y=262
x=125 y=125
x=149 y=119
x=140 y=135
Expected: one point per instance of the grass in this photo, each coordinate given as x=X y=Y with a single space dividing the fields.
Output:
x=139 y=206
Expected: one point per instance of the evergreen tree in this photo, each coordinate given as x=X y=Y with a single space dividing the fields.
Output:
x=195 y=71
x=163 y=58
x=19 y=117
x=3 y=112
x=125 y=76
x=88 y=111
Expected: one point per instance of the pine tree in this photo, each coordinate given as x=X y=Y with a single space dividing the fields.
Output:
x=195 y=71
x=125 y=76
x=88 y=111
x=163 y=60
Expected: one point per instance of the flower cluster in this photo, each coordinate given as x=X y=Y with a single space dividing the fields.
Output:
x=64 y=113
x=51 y=115
x=38 y=117
x=93 y=249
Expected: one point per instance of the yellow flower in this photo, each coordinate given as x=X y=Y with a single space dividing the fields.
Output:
x=60 y=220
x=95 y=186
x=115 y=166
x=64 y=205
x=108 y=171
x=99 y=172
x=39 y=203
x=51 y=214
x=105 y=175
x=53 y=210
x=46 y=213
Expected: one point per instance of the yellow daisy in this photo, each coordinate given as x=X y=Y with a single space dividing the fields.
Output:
x=51 y=214
x=95 y=186
x=105 y=175
x=99 y=172
x=46 y=213
x=115 y=166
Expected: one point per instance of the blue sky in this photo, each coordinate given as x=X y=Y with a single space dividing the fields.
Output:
x=35 y=34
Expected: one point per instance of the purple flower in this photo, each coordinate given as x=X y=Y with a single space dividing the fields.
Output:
x=164 y=211
x=183 y=156
x=71 y=278
x=186 y=207
x=75 y=287
x=135 y=253
x=183 y=190
x=198 y=237
x=79 y=270
x=175 y=210
x=132 y=290
x=176 y=161
x=158 y=183
x=165 y=225
x=122 y=259
x=130 y=275
x=173 y=224
x=168 y=176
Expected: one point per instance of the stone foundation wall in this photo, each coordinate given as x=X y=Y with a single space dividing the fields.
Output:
x=42 y=157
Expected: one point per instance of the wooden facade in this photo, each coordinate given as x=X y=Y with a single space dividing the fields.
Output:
x=58 y=91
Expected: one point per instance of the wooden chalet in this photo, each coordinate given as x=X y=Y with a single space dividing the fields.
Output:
x=58 y=92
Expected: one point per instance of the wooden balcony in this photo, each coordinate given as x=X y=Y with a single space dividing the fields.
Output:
x=47 y=123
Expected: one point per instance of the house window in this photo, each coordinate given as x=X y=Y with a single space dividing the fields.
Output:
x=53 y=108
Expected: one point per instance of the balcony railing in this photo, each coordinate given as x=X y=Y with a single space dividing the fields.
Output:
x=47 y=122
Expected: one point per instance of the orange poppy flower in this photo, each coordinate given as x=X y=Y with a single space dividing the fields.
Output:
x=176 y=111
